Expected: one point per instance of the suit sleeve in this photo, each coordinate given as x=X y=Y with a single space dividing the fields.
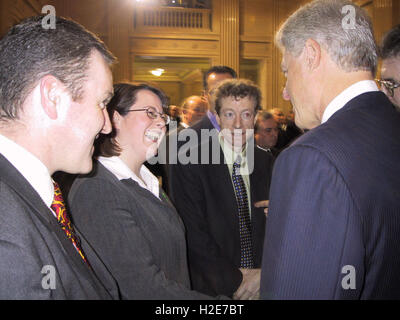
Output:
x=211 y=271
x=20 y=264
x=313 y=231
x=109 y=226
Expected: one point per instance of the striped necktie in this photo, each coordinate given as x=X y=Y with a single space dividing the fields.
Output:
x=58 y=206
x=246 y=246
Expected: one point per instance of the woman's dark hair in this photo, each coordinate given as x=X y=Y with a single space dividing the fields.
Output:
x=125 y=95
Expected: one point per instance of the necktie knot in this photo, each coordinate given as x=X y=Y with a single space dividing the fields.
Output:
x=236 y=166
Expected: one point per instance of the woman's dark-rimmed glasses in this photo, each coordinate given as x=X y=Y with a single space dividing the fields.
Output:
x=152 y=113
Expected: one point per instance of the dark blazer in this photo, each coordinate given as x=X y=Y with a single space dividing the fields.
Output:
x=203 y=123
x=140 y=238
x=31 y=238
x=204 y=197
x=333 y=228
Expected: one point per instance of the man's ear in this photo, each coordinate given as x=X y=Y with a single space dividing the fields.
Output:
x=50 y=92
x=312 y=54
x=116 y=119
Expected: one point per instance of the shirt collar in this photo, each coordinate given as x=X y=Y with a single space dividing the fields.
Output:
x=213 y=120
x=33 y=170
x=231 y=155
x=122 y=171
x=351 y=92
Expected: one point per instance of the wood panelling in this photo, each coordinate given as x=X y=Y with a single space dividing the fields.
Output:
x=256 y=18
x=174 y=47
x=239 y=29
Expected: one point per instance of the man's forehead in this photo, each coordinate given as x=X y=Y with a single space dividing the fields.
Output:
x=214 y=78
x=270 y=123
x=235 y=101
x=391 y=69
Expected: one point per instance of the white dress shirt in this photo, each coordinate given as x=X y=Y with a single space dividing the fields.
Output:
x=231 y=157
x=345 y=96
x=121 y=171
x=30 y=167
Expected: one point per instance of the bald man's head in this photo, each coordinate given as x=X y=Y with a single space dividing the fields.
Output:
x=193 y=109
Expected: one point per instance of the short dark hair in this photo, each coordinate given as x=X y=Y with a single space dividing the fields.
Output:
x=262 y=116
x=28 y=52
x=391 y=44
x=125 y=95
x=237 y=88
x=218 y=70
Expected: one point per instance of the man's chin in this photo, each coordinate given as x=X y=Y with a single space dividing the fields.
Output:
x=84 y=168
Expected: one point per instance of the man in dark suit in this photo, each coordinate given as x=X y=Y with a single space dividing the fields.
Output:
x=288 y=131
x=206 y=199
x=54 y=87
x=333 y=224
x=177 y=138
x=192 y=110
x=266 y=132
x=211 y=78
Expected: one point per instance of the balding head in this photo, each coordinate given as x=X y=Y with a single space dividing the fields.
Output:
x=193 y=108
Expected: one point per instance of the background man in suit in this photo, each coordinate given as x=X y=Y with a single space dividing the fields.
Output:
x=192 y=110
x=333 y=223
x=211 y=78
x=54 y=88
x=288 y=131
x=266 y=132
x=211 y=209
x=208 y=122
x=390 y=72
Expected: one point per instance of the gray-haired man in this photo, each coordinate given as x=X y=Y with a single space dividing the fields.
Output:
x=333 y=224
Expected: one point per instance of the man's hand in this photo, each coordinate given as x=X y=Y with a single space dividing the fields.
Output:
x=263 y=204
x=249 y=289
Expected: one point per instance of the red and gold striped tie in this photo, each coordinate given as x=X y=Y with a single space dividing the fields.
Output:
x=58 y=207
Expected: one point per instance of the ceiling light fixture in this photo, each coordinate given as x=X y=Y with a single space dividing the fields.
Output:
x=157 y=72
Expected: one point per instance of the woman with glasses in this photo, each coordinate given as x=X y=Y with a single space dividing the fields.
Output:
x=120 y=209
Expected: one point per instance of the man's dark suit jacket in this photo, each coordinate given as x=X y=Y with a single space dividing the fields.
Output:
x=31 y=239
x=204 y=197
x=333 y=228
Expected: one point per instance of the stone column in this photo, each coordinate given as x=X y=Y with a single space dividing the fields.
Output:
x=120 y=25
x=229 y=42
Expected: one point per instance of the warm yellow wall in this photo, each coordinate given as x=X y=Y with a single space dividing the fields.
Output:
x=256 y=22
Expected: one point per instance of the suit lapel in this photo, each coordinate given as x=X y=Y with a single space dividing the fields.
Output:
x=11 y=176
x=221 y=179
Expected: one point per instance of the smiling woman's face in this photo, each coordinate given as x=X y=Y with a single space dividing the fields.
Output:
x=137 y=134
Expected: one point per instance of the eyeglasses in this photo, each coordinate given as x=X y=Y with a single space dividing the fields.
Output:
x=230 y=115
x=152 y=113
x=389 y=85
